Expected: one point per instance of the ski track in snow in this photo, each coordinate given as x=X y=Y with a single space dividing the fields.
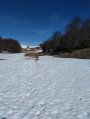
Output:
x=51 y=88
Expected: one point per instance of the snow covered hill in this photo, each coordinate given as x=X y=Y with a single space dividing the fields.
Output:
x=50 y=88
x=25 y=46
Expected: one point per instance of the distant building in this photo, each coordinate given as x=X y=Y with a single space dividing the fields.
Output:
x=27 y=46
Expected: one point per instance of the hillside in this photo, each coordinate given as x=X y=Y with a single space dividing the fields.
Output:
x=25 y=46
x=81 y=54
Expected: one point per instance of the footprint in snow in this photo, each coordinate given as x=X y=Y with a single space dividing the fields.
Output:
x=68 y=106
x=38 y=113
x=29 y=84
x=42 y=103
x=84 y=116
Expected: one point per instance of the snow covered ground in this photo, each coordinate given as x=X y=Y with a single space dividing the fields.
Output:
x=25 y=46
x=50 y=88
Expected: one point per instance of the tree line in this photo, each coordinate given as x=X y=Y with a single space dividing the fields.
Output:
x=76 y=36
x=9 y=45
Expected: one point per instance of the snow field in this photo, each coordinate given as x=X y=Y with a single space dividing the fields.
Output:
x=50 y=88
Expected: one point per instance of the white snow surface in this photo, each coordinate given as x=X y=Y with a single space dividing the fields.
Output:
x=25 y=46
x=39 y=51
x=49 y=88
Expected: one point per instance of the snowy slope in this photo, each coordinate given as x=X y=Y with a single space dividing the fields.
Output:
x=51 y=88
x=25 y=46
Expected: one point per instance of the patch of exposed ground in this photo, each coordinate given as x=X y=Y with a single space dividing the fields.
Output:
x=80 y=54
x=2 y=59
x=35 y=55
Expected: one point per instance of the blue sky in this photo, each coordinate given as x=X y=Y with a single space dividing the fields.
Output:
x=33 y=21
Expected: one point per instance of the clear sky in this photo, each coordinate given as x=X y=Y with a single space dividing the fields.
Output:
x=33 y=21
